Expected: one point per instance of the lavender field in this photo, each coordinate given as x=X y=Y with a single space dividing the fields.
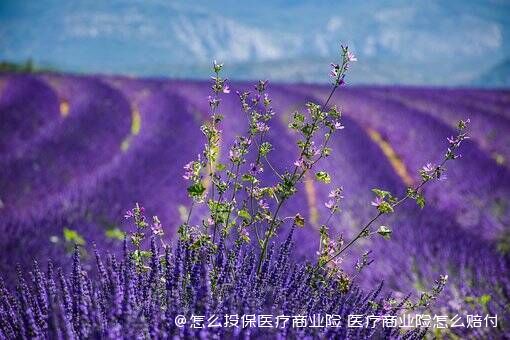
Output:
x=77 y=151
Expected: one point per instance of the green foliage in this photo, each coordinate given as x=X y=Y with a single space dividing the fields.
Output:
x=323 y=177
x=244 y=214
x=381 y=193
x=485 y=299
x=416 y=195
x=503 y=243
x=196 y=190
x=72 y=236
x=462 y=124
x=249 y=178
x=420 y=200
x=137 y=238
x=482 y=301
x=265 y=148
x=299 y=221
x=384 y=201
x=384 y=231
x=385 y=208
x=115 y=234
x=286 y=187
x=298 y=120
x=140 y=257
x=220 y=211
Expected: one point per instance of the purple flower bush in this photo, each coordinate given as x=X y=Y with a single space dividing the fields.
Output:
x=123 y=301
x=232 y=256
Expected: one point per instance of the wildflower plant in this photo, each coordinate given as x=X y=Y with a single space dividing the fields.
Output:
x=237 y=199
x=253 y=215
x=228 y=262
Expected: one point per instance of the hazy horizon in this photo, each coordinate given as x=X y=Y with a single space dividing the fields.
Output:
x=405 y=43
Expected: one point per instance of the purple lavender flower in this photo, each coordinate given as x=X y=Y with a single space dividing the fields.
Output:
x=124 y=302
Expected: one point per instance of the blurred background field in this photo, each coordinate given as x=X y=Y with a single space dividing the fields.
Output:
x=101 y=104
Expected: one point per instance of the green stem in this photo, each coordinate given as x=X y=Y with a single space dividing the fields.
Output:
x=305 y=147
x=364 y=229
x=272 y=225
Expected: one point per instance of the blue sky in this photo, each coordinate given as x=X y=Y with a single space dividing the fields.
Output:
x=397 y=42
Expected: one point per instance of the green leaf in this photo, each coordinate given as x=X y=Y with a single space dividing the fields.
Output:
x=373 y=304
x=326 y=152
x=73 y=236
x=196 y=190
x=265 y=148
x=245 y=215
x=484 y=299
x=115 y=233
x=385 y=208
x=219 y=211
x=323 y=176
x=425 y=175
x=420 y=200
x=384 y=231
x=249 y=178
x=299 y=220
x=381 y=193
x=461 y=125
x=299 y=117
x=323 y=231
x=145 y=254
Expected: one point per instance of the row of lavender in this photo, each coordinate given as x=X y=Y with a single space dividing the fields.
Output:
x=76 y=151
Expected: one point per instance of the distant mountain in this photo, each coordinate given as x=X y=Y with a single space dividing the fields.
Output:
x=399 y=42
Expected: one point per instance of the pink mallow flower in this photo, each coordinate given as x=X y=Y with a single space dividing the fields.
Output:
x=377 y=202
x=428 y=167
x=330 y=204
x=129 y=214
x=188 y=173
x=157 y=228
x=336 y=193
x=338 y=126
x=210 y=221
x=262 y=127
x=263 y=205
x=351 y=56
